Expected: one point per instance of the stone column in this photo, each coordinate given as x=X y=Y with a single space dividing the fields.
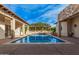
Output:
x=59 y=28
x=23 y=29
x=27 y=29
x=13 y=28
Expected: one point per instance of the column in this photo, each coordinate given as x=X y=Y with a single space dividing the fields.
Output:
x=23 y=29
x=27 y=29
x=59 y=28
x=13 y=28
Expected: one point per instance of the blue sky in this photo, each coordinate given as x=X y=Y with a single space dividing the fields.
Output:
x=33 y=13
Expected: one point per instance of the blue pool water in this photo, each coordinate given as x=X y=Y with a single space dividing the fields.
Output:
x=38 y=38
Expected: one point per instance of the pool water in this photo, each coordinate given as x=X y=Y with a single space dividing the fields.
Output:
x=38 y=38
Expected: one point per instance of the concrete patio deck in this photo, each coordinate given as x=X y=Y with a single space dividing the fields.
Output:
x=42 y=49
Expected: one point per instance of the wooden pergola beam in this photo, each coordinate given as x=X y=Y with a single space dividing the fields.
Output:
x=6 y=10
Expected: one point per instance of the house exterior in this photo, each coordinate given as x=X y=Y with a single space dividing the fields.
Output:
x=10 y=24
x=68 y=21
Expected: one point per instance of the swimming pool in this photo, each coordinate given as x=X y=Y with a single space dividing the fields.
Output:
x=38 y=38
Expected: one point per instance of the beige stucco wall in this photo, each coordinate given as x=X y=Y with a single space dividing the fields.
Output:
x=17 y=32
x=75 y=29
x=2 y=27
x=4 y=20
x=2 y=30
x=64 y=29
x=5 y=16
x=57 y=28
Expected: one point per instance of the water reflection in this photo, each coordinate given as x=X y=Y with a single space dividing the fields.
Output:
x=38 y=39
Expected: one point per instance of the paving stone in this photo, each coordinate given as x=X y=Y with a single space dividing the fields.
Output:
x=36 y=50
x=41 y=49
x=68 y=49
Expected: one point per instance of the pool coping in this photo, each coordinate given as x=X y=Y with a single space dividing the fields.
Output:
x=65 y=41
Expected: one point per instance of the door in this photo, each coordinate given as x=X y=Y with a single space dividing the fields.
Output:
x=64 y=28
x=7 y=31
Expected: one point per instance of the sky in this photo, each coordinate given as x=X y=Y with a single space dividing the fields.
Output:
x=32 y=13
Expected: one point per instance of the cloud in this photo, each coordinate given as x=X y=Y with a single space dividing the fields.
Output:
x=50 y=16
x=37 y=12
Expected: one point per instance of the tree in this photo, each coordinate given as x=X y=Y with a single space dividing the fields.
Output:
x=39 y=26
x=53 y=29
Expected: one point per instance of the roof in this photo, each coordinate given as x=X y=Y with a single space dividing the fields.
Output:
x=11 y=13
x=68 y=12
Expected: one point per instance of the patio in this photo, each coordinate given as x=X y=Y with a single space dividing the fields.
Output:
x=41 y=49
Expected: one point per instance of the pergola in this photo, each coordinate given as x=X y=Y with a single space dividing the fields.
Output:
x=39 y=28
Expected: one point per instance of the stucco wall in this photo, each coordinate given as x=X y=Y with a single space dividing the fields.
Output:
x=57 y=28
x=64 y=29
x=75 y=29
x=17 y=32
x=2 y=30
